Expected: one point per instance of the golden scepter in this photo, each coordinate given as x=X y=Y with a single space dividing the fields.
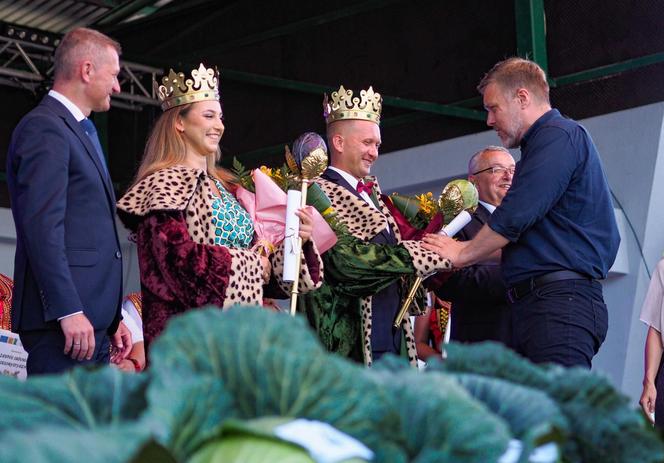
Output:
x=308 y=160
x=458 y=200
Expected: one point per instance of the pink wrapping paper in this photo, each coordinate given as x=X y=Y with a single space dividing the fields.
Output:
x=267 y=208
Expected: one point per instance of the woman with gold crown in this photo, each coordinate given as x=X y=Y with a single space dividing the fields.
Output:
x=194 y=239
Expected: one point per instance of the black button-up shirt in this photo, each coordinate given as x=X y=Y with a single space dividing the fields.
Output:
x=558 y=214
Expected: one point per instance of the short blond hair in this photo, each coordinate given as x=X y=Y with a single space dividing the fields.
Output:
x=78 y=45
x=515 y=73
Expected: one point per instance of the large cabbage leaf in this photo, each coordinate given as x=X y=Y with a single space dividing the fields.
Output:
x=605 y=428
x=103 y=444
x=602 y=426
x=491 y=359
x=194 y=342
x=246 y=363
x=532 y=416
x=78 y=399
x=272 y=365
x=439 y=420
x=187 y=412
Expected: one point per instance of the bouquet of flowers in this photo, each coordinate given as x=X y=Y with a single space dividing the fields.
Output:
x=422 y=214
x=419 y=215
x=263 y=193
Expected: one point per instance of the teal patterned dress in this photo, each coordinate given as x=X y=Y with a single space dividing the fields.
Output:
x=233 y=225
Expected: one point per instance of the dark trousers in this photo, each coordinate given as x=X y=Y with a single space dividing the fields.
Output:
x=563 y=322
x=494 y=323
x=385 y=338
x=46 y=352
x=659 y=400
x=391 y=346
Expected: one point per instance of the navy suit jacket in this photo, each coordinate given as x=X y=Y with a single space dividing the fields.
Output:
x=67 y=249
x=480 y=311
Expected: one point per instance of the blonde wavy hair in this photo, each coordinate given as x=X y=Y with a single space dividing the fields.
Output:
x=166 y=147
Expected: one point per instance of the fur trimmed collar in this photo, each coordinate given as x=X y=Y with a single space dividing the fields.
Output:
x=169 y=189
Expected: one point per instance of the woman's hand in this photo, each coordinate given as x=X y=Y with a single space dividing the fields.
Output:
x=648 y=398
x=653 y=357
x=306 y=223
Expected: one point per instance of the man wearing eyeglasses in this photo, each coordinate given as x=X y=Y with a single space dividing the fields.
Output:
x=556 y=226
x=480 y=311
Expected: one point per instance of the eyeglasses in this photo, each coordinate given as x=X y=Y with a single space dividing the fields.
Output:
x=500 y=170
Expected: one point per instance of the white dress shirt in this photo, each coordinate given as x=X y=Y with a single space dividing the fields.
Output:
x=352 y=181
x=489 y=207
x=73 y=109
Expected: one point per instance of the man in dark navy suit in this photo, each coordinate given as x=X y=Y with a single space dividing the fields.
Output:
x=480 y=310
x=68 y=265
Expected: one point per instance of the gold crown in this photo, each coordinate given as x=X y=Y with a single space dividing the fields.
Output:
x=342 y=105
x=176 y=90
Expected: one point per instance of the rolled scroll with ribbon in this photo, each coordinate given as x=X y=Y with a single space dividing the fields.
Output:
x=308 y=160
x=292 y=245
x=457 y=223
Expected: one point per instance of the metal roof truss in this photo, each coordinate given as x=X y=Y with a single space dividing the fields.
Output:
x=26 y=61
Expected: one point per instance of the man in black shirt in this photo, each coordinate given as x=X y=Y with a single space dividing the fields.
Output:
x=556 y=226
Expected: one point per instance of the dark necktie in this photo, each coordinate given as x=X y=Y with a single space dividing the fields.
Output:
x=365 y=187
x=91 y=131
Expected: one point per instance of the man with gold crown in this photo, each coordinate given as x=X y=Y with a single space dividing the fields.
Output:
x=355 y=309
